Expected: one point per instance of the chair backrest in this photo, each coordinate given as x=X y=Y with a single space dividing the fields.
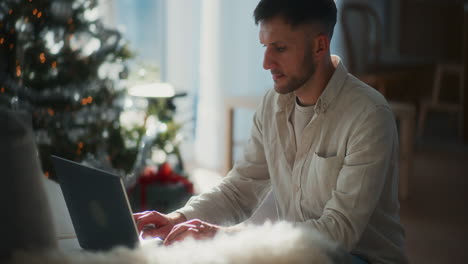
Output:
x=447 y=69
x=361 y=25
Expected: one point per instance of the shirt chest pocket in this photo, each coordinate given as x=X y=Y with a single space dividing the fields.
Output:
x=324 y=171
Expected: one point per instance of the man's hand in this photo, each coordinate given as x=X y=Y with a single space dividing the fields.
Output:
x=153 y=224
x=194 y=228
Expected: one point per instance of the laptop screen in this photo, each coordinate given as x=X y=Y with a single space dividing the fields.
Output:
x=98 y=206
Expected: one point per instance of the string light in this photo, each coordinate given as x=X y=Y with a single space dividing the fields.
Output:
x=18 y=71
x=54 y=64
x=35 y=11
x=87 y=100
x=46 y=174
x=70 y=21
x=12 y=46
x=2 y=90
x=80 y=147
x=51 y=111
x=2 y=40
x=42 y=57
x=10 y=11
x=39 y=15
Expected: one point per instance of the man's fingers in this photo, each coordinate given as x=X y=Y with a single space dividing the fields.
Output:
x=142 y=222
x=196 y=222
x=139 y=214
x=176 y=231
x=150 y=217
x=183 y=234
x=190 y=232
x=152 y=224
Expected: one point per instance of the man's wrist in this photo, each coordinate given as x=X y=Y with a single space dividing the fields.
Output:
x=177 y=218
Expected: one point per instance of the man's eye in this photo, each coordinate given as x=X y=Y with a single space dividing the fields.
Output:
x=280 y=49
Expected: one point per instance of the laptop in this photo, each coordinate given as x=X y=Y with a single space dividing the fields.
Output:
x=98 y=206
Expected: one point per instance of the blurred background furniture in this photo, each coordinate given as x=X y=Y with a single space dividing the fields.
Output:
x=465 y=71
x=231 y=105
x=366 y=64
x=437 y=103
x=405 y=115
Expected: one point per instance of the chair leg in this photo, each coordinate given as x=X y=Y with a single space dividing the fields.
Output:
x=422 y=120
x=406 y=131
x=460 y=125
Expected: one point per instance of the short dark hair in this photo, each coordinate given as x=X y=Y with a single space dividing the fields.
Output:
x=298 y=12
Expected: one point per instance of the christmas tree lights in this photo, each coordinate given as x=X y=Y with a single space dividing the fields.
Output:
x=62 y=65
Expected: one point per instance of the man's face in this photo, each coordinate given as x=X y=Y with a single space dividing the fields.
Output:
x=288 y=54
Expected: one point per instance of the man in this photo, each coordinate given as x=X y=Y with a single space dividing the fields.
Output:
x=323 y=141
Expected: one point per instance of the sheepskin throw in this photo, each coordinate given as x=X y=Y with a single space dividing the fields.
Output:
x=270 y=243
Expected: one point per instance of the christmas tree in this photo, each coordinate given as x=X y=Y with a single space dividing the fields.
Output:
x=61 y=64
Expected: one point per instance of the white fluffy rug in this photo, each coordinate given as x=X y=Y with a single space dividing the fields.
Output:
x=270 y=243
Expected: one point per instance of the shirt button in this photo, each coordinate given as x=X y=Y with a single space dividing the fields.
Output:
x=296 y=188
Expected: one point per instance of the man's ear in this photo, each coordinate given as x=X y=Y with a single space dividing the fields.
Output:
x=322 y=45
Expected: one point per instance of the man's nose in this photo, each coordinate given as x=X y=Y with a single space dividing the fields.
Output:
x=268 y=61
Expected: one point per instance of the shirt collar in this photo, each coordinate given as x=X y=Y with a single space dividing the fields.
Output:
x=329 y=93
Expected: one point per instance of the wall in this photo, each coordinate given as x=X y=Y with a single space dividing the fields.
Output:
x=435 y=32
x=214 y=53
x=241 y=52
x=181 y=62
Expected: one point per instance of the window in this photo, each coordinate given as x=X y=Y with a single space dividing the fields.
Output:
x=142 y=23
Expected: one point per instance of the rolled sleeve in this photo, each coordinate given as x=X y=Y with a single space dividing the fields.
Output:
x=238 y=194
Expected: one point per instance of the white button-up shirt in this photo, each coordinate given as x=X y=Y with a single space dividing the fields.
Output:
x=341 y=180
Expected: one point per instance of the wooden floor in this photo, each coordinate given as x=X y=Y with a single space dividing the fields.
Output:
x=435 y=216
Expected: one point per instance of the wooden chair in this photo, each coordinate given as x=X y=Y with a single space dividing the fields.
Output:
x=365 y=63
x=231 y=105
x=437 y=104
x=371 y=44
x=369 y=68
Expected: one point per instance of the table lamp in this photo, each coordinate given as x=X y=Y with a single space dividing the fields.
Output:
x=153 y=126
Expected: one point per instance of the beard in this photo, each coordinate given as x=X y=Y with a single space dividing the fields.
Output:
x=295 y=82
